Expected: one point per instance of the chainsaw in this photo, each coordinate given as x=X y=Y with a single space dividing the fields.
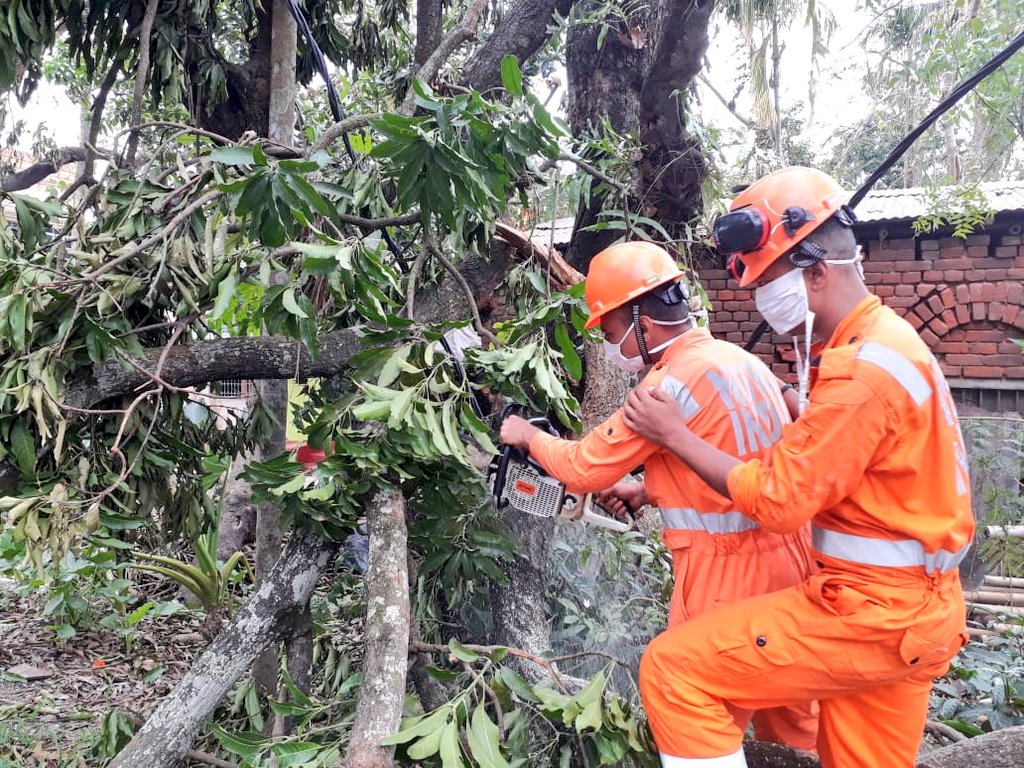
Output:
x=519 y=482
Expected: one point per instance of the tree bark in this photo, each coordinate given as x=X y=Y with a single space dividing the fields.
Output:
x=237 y=521
x=277 y=357
x=429 y=18
x=274 y=397
x=673 y=166
x=999 y=749
x=521 y=32
x=382 y=693
x=24 y=179
x=141 y=72
x=174 y=726
x=520 y=607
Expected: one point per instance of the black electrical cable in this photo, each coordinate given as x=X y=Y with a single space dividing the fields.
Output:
x=943 y=106
x=335 y=103
x=900 y=149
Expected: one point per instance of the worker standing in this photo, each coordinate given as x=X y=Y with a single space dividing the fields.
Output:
x=875 y=462
x=730 y=398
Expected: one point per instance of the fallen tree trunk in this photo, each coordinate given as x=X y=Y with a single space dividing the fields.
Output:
x=172 y=728
x=999 y=749
x=382 y=693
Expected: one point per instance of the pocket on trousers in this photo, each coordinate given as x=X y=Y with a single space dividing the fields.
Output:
x=760 y=653
x=920 y=648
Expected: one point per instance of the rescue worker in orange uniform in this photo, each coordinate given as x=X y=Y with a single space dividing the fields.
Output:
x=875 y=462
x=726 y=395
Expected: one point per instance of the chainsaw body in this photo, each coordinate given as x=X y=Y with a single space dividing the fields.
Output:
x=517 y=481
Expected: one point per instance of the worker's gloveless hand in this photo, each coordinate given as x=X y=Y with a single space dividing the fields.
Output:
x=653 y=414
x=517 y=431
x=622 y=498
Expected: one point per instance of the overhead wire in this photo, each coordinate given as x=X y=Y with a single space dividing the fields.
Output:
x=320 y=62
x=905 y=143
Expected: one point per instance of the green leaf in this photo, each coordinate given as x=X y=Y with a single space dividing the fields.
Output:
x=292 y=486
x=511 y=76
x=570 y=358
x=289 y=302
x=296 y=753
x=590 y=717
x=17 y=318
x=483 y=741
x=138 y=614
x=234 y=156
x=415 y=727
x=64 y=632
x=592 y=692
x=461 y=652
x=225 y=293
x=451 y=754
x=426 y=745
x=23 y=447
x=245 y=744
x=393 y=367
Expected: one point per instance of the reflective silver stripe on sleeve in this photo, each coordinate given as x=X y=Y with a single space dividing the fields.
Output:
x=689 y=519
x=682 y=395
x=897 y=366
x=903 y=553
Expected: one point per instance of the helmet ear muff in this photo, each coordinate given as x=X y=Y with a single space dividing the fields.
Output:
x=735 y=265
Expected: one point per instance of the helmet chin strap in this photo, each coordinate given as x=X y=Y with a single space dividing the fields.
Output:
x=634 y=312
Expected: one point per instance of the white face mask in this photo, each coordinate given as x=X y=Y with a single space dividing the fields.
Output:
x=783 y=301
x=613 y=350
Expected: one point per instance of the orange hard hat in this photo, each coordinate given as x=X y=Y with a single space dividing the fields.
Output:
x=774 y=215
x=623 y=272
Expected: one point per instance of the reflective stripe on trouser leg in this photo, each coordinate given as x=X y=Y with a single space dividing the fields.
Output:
x=735 y=760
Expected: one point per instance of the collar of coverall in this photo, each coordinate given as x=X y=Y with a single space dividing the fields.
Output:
x=689 y=338
x=844 y=333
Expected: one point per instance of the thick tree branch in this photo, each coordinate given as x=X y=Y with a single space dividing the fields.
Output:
x=522 y=31
x=564 y=276
x=173 y=727
x=141 y=72
x=382 y=693
x=466 y=30
x=96 y=120
x=332 y=133
x=188 y=365
x=36 y=173
x=278 y=357
x=429 y=19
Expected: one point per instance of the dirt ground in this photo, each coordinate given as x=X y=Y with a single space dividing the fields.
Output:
x=54 y=695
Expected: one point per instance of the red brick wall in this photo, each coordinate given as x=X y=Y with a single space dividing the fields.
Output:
x=964 y=297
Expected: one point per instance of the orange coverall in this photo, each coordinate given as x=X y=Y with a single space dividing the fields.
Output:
x=878 y=464
x=719 y=556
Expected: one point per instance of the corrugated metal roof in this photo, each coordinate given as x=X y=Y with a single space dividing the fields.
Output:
x=878 y=205
x=541 y=233
x=912 y=203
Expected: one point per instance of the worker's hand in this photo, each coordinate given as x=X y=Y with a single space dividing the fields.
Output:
x=517 y=431
x=623 y=498
x=653 y=414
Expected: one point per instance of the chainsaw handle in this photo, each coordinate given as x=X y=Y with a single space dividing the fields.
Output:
x=500 y=475
x=611 y=522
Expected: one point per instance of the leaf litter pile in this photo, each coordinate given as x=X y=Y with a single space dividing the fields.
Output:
x=54 y=694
